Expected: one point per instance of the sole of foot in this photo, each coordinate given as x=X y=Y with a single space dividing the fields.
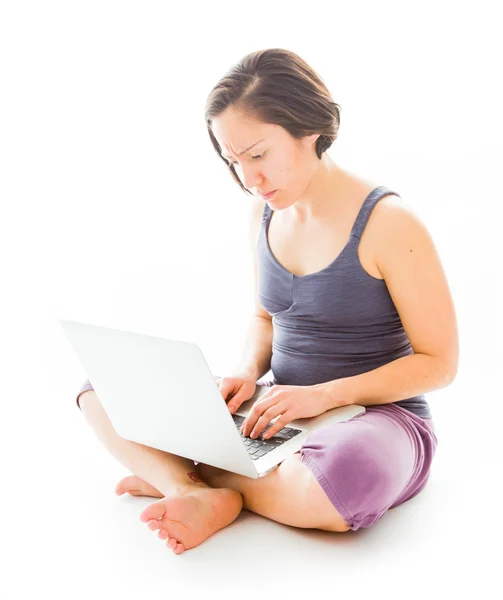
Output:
x=187 y=520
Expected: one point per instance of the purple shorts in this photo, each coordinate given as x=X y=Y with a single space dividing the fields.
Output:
x=370 y=463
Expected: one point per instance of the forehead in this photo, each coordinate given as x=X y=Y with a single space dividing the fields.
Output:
x=235 y=132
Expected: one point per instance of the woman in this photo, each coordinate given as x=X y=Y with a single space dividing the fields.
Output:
x=374 y=326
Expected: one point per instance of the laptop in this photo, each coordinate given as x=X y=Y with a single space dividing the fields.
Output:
x=161 y=393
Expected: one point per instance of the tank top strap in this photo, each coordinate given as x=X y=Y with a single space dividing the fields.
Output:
x=370 y=201
x=363 y=216
x=267 y=213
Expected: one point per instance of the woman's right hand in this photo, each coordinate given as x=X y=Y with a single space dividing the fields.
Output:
x=236 y=389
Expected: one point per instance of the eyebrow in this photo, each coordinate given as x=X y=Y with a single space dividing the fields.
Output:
x=244 y=151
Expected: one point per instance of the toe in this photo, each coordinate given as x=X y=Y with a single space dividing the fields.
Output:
x=163 y=534
x=153 y=525
x=178 y=549
x=124 y=485
x=153 y=511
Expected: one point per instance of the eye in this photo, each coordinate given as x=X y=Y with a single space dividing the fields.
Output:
x=258 y=157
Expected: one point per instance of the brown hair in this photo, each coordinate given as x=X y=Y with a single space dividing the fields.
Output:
x=276 y=86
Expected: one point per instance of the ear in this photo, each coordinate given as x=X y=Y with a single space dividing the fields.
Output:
x=310 y=140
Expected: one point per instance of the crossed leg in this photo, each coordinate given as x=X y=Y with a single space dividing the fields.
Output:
x=290 y=495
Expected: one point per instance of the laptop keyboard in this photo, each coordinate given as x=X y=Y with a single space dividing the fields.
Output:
x=258 y=447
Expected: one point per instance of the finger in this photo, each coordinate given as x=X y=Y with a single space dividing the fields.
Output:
x=222 y=387
x=227 y=390
x=259 y=429
x=277 y=426
x=236 y=402
x=260 y=406
x=261 y=423
x=153 y=511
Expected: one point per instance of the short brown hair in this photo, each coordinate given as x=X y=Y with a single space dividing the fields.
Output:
x=276 y=86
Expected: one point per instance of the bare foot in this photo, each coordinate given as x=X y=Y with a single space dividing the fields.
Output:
x=137 y=487
x=187 y=520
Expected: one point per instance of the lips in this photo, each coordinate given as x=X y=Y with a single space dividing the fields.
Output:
x=268 y=195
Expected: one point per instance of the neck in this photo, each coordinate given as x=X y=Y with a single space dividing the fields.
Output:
x=322 y=192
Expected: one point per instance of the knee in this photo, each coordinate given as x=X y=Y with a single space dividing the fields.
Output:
x=92 y=408
x=86 y=399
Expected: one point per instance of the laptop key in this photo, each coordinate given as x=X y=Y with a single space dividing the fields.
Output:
x=293 y=433
x=268 y=447
x=260 y=453
x=285 y=436
x=275 y=441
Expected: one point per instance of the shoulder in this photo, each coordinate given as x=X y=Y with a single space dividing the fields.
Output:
x=397 y=229
x=394 y=215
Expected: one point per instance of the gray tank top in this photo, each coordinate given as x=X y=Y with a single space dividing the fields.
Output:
x=337 y=322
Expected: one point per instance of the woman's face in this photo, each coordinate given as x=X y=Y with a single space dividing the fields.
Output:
x=277 y=161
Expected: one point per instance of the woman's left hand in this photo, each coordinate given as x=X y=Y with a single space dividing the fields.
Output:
x=290 y=401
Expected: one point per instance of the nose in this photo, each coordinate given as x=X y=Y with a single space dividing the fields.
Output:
x=250 y=176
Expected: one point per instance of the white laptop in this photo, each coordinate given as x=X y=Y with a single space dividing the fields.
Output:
x=161 y=393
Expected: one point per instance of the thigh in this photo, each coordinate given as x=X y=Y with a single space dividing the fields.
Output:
x=290 y=494
x=370 y=463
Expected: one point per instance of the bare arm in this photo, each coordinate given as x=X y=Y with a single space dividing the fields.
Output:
x=256 y=356
x=414 y=275
x=257 y=353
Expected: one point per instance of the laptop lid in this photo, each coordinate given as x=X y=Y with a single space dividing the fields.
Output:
x=161 y=393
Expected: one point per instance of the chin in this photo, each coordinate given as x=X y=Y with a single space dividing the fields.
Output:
x=275 y=203
x=279 y=205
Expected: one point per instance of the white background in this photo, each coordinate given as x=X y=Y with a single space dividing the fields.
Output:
x=115 y=210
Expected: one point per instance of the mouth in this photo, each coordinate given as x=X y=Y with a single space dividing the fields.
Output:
x=269 y=195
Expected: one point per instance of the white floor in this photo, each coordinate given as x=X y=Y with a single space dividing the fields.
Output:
x=66 y=533
x=116 y=211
